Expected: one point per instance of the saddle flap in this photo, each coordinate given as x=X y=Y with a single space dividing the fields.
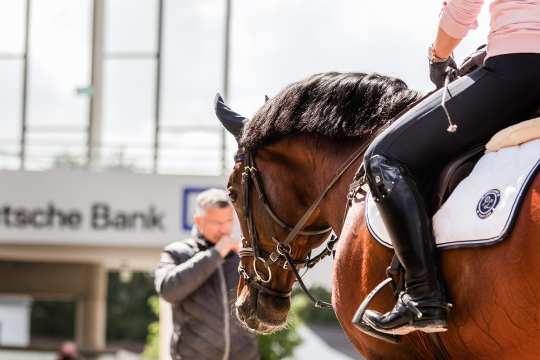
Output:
x=452 y=174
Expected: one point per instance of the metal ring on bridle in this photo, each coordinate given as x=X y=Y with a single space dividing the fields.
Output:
x=257 y=274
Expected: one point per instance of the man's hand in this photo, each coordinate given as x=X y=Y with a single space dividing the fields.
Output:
x=226 y=244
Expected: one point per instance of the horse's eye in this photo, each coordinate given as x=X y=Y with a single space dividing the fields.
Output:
x=232 y=194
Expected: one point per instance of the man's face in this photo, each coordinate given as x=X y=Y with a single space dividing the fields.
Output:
x=216 y=223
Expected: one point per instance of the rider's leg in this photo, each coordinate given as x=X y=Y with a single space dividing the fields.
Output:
x=505 y=91
x=404 y=214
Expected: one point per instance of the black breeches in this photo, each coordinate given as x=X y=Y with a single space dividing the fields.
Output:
x=505 y=91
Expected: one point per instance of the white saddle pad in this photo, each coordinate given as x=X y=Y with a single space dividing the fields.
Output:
x=483 y=207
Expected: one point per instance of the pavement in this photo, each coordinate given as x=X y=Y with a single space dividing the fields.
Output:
x=324 y=342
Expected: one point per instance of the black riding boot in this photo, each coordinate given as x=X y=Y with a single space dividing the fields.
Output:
x=422 y=306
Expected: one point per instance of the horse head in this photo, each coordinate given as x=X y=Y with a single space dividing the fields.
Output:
x=267 y=210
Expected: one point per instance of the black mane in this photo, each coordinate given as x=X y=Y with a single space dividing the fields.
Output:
x=338 y=105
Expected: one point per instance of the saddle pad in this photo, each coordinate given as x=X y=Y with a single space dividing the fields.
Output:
x=484 y=206
x=514 y=135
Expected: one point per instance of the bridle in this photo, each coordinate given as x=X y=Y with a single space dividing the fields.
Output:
x=281 y=255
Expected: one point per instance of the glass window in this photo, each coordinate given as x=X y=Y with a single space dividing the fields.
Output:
x=12 y=25
x=131 y=25
x=10 y=112
x=128 y=113
x=190 y=152
x=55 y=148
x=192 y=60
x=59 y=63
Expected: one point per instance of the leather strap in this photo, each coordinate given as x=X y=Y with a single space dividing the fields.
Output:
x=304 y=219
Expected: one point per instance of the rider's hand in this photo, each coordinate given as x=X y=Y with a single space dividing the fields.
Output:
x=439 y=70
x=226 y=244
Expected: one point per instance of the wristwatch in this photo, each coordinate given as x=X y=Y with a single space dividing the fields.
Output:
x=433 y=58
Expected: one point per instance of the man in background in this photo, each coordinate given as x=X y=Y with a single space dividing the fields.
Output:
x=198 y=276
x=68 y=351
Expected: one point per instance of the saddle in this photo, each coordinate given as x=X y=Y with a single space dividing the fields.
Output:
x=473 y=202
x=461 y=167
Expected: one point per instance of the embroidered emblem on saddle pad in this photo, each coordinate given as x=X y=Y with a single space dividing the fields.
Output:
x=488 y=203
x=484 y=206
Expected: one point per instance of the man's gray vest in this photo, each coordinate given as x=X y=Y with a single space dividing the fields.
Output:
x=202 y=293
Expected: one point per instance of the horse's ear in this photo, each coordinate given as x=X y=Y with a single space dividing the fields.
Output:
x=266 y=98
x=233 y=122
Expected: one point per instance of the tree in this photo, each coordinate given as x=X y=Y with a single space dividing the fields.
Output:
x=151 y=350
x=128 y=314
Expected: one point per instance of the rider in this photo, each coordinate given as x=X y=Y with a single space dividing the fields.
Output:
x=502 y=92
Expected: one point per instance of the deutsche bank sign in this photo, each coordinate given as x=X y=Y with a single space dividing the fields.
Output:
x=102 y=217
x=60 y=207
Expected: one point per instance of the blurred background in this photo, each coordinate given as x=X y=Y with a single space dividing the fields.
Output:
x=107 y=134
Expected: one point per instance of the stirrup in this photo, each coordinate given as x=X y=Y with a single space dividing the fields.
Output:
x=364 y=327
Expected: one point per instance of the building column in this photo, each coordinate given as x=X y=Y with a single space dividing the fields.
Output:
x=90 y=329
x=94 y=142
x=165 y=329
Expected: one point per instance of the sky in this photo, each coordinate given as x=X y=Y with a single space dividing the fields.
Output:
x=277 y=42
x=273 y=43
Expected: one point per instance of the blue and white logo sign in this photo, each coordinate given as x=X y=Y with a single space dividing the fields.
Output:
x=188 y=206
x=488 y=203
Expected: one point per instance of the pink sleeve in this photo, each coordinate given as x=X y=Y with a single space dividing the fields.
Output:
x=459 y=16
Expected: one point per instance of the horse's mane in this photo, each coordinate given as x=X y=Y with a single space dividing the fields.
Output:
x=338 y=105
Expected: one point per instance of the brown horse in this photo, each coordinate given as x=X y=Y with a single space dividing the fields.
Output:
x=296 y=143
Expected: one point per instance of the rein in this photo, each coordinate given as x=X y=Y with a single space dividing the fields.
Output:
x=282 y=252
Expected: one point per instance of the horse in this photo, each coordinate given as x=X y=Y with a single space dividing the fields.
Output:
x=290 y=152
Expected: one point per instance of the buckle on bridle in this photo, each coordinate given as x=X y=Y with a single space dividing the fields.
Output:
x=243 y=272
x=283 y=250
x=274 y=257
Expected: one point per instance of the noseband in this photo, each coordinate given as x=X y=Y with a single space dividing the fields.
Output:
x=282 y=253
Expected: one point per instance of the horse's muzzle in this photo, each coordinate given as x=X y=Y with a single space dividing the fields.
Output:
x=260 y=312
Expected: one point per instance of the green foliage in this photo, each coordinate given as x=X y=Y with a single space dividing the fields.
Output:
x=306 y=312
x=281 y=344
x=128 y=314
x=151 y=350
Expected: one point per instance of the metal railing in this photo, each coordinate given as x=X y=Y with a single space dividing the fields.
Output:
x=51 y=150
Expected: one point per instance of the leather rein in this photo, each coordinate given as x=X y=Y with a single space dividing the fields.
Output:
x=281 y=255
